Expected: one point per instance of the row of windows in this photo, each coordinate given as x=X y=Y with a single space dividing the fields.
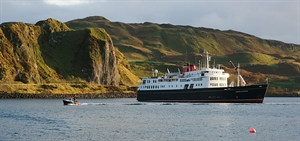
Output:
x=169 y=86
x=182 y=80
x=171 y=80
x=223 y=84
x=213 y=78
x=150 y=87
x=222 y=78
x=217 y=72
x=217 y=78
x=197 y=79
x=149 y=81
x=217 y=84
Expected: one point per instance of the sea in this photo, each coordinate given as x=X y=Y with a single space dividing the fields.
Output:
x=125 y=119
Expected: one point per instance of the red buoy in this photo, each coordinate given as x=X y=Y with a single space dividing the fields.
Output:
x=252 y=130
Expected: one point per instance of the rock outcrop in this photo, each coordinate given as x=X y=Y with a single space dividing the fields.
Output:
x=50 y=51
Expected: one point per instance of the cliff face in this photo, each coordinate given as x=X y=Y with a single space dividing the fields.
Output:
x=20 y=55
x=50 y=51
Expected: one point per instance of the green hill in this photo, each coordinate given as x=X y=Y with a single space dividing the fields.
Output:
x=88 y=55
x=150 y=45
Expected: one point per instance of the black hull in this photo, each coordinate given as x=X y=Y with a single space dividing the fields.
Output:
x=243 y=94
x=67 y=102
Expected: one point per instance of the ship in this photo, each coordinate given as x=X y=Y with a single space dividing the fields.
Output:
x=207 y=85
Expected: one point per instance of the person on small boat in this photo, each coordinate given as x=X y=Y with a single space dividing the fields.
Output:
x=74 y=100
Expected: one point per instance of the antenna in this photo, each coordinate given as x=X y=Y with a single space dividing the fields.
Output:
x=232 y=64
x=152 y=72
x=214 y=62
x=239 y=75
x=186 y=56
x=168 y=70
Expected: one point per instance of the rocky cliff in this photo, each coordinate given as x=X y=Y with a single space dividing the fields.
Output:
x=50 y=52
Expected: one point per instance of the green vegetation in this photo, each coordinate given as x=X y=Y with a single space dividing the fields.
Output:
x=96 y=51
x=150 y=46
x=35 y=57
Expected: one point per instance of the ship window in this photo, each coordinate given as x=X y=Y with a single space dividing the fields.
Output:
x=183 y=80
x=222 y=78
x=213 y=84
x=144 y=81
x=197 y=79
x=186 y=86
x=222 y=84
x=213 y=78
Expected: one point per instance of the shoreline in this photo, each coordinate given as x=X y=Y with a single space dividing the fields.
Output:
x=62 y=96
x=117 y=94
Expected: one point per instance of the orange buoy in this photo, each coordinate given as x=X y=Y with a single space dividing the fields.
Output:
x=252 y=130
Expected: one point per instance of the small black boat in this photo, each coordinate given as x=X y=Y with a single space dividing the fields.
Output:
x=70 y=101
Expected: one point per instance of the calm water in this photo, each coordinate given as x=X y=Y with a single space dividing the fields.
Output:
x=126 y=119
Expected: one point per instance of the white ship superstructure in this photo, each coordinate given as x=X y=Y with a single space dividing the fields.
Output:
x=190 y=78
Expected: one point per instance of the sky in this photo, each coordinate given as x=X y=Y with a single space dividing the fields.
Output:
x=266 y=19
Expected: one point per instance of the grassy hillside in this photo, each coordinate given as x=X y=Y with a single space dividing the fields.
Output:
x=160 y=46
x=50 y=52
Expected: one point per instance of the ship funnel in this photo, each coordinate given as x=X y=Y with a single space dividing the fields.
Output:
x=207 y=59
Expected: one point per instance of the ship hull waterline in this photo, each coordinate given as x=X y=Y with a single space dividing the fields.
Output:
x=243 y=94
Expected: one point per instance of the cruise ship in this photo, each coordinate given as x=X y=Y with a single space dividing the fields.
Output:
x=208 y=84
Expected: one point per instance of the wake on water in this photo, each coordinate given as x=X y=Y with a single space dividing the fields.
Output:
x=144 y=103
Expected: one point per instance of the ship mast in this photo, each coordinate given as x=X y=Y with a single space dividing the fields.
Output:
x=239 y=76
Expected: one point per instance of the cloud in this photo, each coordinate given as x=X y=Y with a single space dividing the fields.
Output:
x=66 y=2
x=268 y=19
